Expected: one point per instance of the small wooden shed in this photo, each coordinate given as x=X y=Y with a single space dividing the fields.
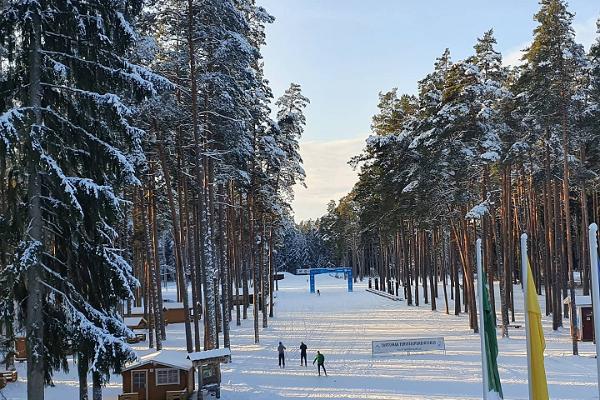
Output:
x=585 y=317
x=162 y=375
x=174 y=313
x=136 y=322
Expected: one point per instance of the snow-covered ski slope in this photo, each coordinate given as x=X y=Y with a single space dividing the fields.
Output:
x=342 y=325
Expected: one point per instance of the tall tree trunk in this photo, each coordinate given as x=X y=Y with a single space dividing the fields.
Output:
x=245 y=248
x=152 y=283
x=82 y=372
x=506 y=246
x=567 y=216
x=96 y=386
x=253 y=265
x=225 y=267
x=445 y=260
x=177 y=238
x=264 y=271
x=271 y=269
x=235 y=253
x=192 y=235
x=431 y=244
x=34 y=275
x=558 y=259
x=585 y=222
x=157 y=277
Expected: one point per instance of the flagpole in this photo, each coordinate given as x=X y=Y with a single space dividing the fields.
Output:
x=484 y=366
x=593 y=232
x=524 y=270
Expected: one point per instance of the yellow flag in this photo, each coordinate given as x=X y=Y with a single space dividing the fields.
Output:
x=537 y=344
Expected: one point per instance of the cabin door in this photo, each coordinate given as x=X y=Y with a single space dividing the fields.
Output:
x=587 y=323
x=139 y=383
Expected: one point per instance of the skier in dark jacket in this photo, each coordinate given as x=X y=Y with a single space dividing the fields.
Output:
x=303 y=348
x=320 y=360
x=281 y=350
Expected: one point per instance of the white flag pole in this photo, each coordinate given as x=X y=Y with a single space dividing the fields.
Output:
x=524 y=270
x=593 y=232
x=484 y=366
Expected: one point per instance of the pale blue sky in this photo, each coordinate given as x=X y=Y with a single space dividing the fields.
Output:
x=344 y=52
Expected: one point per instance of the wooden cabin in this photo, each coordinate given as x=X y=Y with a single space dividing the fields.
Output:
x=174 y=313
x=162 y=375
x=136 y=322
x=585 y=317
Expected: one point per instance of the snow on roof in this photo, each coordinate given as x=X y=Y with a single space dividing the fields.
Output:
x=171 y=304
x=132 y=320
x=172 y=358
x=166 y=304
x=579 y=301
x=205 y=355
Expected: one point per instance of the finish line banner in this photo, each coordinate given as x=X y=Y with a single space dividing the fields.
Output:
x=407 y=345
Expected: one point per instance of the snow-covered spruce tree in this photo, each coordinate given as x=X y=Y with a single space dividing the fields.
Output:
x=65 y=129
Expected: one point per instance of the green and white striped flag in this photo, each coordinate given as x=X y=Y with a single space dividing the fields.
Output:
x=491 y=345
x=492 y=389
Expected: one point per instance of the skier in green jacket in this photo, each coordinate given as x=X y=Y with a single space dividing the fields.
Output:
x=320 y=360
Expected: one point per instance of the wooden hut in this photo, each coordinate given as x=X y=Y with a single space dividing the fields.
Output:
x=136 y=322
x=585 y=317
x=174 y=313
x=162 y=375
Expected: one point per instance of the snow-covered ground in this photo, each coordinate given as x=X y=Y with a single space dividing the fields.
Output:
x=342 y=325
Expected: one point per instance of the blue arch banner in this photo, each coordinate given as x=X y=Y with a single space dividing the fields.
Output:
x=317 y=271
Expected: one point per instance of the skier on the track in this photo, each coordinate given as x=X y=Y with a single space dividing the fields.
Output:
x=303 y=348
x=281 y=350
x=320 y=360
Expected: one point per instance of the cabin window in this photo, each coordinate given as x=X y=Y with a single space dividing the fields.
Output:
x=138 y=380
x=167 y=376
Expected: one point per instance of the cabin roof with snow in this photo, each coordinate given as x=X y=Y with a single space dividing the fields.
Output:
x=223 y=355
x=171 y=358
x=580 y=301
x=133 y=320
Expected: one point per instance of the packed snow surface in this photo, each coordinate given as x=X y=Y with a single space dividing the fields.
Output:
x=342 y=325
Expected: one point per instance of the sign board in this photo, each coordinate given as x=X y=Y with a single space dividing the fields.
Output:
x=302 y=271
x=407 y=345
x=278 y=277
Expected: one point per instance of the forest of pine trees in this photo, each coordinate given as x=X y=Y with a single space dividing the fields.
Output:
x=140 y=142
x=483 y=150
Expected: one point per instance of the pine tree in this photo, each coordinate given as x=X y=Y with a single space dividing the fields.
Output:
x=553 y=62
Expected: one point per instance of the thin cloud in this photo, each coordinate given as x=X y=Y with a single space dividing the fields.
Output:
x=513 y=55
x=328 y=175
